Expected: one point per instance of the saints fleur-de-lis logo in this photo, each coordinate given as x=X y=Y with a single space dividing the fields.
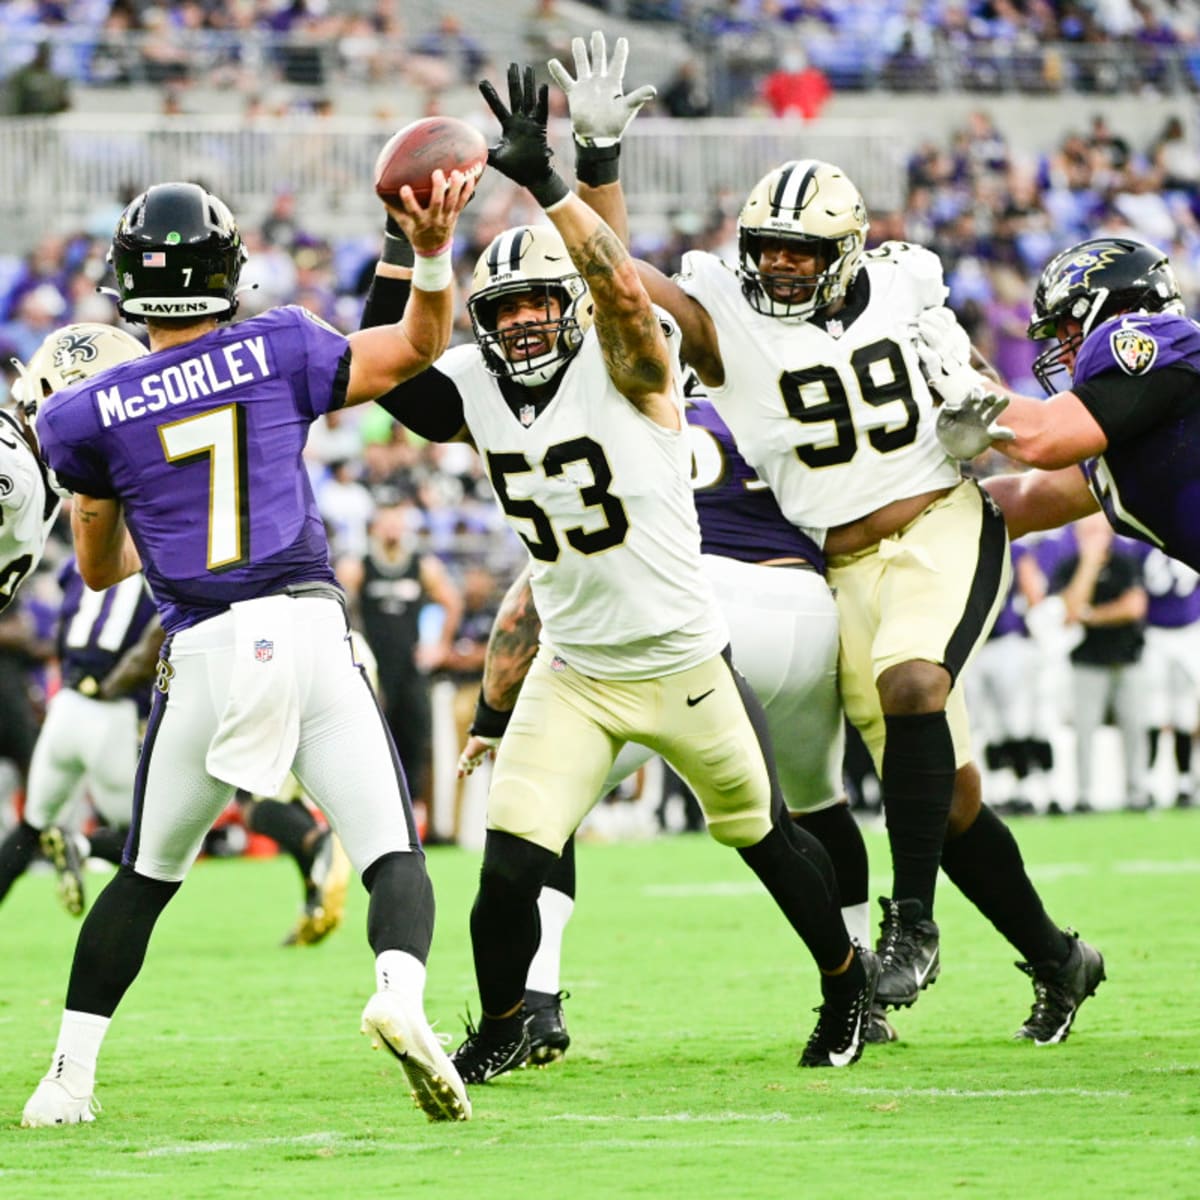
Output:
x=75 y=349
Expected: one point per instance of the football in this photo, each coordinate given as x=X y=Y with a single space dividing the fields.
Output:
x=412 y=155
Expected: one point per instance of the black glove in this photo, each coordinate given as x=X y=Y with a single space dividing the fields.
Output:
x=523 y=153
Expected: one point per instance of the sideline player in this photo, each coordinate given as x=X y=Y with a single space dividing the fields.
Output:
x=580 y=427
x=1128 y=417
x=197 y=450
x=807 y=353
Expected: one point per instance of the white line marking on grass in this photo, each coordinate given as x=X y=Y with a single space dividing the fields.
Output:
x=304 y=1139
x=1151 y=866
x=724 y=1118
x=987 y=1093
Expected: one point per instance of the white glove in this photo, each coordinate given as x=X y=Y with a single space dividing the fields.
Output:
x=967 y=426
x=938 y=332
x=475 y=753
x=600 y=110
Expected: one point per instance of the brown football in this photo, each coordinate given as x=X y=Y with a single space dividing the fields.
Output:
x=412 y=155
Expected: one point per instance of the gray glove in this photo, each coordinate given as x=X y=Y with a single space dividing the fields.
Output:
x=967 y=426
x=600 y=110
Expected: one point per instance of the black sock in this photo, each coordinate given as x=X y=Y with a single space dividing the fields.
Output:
x=562 y=874
x=400 y=913
x=795 y=869
x=113 y=939
x=505 y=925
x=108 y=843
x=985 y=864
x=288 y=824
x=1183 y=753
x=918 y=786
x=1152 y=752
x=17 y=851
x=837 y=830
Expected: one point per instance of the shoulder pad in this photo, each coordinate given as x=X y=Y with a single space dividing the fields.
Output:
x=1138 y=343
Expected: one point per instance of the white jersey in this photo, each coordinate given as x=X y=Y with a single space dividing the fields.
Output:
x=601 y=495
x=839 y=420
x=28 y=507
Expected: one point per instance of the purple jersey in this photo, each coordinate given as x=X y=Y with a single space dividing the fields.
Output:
x=202 y=444
x=738 y=515
x=95 y=629
x=1172 y=587
x=1148 y=482
x=1012 y=615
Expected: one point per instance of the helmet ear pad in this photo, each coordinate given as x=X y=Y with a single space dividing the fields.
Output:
x=533 y=259
x=807 y=201
x=177 y=253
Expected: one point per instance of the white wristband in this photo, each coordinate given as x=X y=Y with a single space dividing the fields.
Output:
x=433 y=272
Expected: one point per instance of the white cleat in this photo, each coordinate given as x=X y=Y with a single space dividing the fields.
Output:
x=55 y=1100
x=434 y=1081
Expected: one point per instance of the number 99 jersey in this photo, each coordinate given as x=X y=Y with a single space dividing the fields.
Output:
x=833 y=413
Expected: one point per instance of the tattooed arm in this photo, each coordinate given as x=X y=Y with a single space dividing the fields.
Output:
x=511 y=648
x=104 y=550
x=631 y=335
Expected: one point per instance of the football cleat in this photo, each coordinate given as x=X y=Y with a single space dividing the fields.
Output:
x=908 y=951
x=1059 y=990
x=59 y=847
x=487 y=1052
x=879 y=1030
x=63 y=1097
x=840 y=1033
x=548 y=1037
x=325 y=894
x=436 y=1086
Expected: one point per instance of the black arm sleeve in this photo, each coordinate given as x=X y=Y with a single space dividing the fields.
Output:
x=1127 y=405
x=429 y=404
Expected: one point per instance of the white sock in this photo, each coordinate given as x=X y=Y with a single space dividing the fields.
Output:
x=858 y=923
x=79 y=1038
x=397 y=971
x=555 y=909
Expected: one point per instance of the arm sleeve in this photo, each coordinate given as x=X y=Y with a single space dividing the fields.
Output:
x=429 y=404
x=1127 y=405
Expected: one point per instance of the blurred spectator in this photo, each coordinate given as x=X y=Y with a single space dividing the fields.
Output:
x=686 y=93
x=547 y=33
x=36 y=89
x=796 y=88
x=1175 y=158
x=446 y=56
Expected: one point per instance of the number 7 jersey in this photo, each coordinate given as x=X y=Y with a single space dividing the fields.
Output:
x=602 y=498
x=838 y=420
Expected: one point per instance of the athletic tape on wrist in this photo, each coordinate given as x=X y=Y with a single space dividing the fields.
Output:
x=433 y=272
x=597 y=165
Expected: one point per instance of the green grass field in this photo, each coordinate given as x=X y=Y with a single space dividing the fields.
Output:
x=235 y=1066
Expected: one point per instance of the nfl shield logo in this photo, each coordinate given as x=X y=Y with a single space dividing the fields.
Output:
x=264 y=650
x=1134 y=350
x=528 y=412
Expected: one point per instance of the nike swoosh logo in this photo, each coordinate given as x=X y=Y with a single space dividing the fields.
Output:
x=921 y=976
x=692 y=701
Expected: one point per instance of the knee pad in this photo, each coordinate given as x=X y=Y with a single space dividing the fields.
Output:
x=513 y=864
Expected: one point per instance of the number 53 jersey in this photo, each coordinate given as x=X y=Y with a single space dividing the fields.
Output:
x=601 y=496
x=833 y=414
x=202 y=444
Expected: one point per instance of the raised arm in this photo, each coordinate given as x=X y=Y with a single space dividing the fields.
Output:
x=386 y=355
x=600 y=113
x=631 y=337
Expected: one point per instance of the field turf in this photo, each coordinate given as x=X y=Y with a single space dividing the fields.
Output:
x=235 y=1067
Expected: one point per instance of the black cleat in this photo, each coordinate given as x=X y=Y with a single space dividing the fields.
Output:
x=548 y=1037
x=879 y=1030
x=908 y=950
x=59 y=847
x=487 y=1053
x=840 y=1034
x=1059 y=990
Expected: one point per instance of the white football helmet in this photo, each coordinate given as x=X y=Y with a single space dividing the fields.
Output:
x=805 y=200
x=529 y=258
x=70 y=355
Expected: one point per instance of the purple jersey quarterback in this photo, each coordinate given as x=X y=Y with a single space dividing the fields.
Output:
x=739 y=517
x=1148 y=479
x=202 y=444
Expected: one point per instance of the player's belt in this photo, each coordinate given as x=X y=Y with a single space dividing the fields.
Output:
x=80 y=680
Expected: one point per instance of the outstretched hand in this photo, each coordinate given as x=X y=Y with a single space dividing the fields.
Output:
x=523 y=154
x=967 y=426
x=431 y=227
x=600 y=110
